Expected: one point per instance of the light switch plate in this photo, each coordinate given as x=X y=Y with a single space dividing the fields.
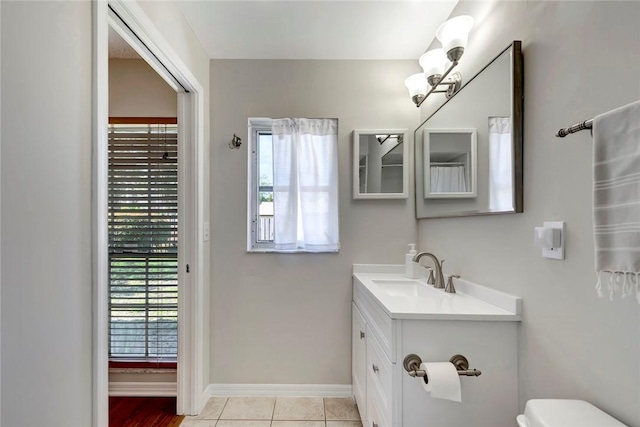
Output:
x=557 y=252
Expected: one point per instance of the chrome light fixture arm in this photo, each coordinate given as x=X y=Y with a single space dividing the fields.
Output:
x=453 y=86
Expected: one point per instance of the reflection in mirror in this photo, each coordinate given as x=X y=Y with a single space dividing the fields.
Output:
x=380 y=169
x=450 y=159
x=468 y=153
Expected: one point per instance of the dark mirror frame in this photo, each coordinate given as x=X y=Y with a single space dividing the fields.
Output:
x=517 y=102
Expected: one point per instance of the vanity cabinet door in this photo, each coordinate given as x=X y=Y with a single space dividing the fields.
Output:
x=375 y=408
x=359 y=360
x=379 y=382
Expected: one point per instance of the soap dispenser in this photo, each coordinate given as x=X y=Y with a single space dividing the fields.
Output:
x=411 y=269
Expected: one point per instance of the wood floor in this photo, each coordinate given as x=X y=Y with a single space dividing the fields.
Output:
x=143 y=412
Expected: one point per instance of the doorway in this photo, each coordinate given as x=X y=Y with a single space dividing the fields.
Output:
x=143 y=250
x=130 y=22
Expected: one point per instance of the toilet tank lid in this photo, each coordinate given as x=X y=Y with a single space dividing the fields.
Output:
x=566 y=413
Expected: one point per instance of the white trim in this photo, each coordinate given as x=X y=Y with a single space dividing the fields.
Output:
x=280 y=390
x=191 y=229
x=143 y=389
x=256 y=125
x=0 y=240
x=99 y=205
x=166 y=62
x=165 y=58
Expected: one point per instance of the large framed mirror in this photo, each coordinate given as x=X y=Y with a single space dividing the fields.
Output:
x=380 y=168
x=486 y=174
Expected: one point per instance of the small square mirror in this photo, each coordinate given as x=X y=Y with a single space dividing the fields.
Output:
x=380 y=168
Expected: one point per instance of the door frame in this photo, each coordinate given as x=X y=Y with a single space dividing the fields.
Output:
x=130 y=21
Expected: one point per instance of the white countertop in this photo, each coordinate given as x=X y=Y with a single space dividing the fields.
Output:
x=470 y=302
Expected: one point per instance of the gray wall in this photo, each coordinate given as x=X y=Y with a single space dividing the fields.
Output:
x=289 y=316
x=46 y=204
x=46 y=222
x=0 y=213
x=136 y=90
x=572 y=344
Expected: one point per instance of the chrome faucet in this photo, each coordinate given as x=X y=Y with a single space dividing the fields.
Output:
x=438 y=268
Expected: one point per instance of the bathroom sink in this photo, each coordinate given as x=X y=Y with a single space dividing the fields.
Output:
x=402 y=297
x=403 y=288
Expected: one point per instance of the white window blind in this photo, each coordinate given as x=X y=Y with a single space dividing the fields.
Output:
x=143 y=241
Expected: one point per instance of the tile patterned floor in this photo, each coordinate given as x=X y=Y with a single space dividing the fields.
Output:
x=276 y=412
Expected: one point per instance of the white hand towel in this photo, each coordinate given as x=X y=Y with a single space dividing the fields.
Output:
x=616 y=199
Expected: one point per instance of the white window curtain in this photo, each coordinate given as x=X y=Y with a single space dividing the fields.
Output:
x=305 y=184
x=448 y=179
x=500 y=164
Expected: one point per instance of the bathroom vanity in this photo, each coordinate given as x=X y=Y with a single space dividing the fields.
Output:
x=394 y=316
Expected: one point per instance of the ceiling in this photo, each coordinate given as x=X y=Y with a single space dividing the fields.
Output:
x=312 y=29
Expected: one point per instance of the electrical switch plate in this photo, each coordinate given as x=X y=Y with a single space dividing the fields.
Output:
x=555 y=252
x=207 y=231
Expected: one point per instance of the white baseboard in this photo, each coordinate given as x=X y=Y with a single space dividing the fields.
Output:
x=143 y=389
x=280 y=390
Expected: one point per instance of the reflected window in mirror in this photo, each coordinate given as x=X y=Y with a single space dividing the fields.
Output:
x=500 y=171
x=380 y=168
x=452 y=179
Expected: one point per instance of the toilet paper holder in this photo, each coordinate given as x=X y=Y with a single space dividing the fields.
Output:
x=412 y=363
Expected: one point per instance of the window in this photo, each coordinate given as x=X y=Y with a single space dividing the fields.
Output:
x=293 y=185
x=500 y=161
x=143 y=241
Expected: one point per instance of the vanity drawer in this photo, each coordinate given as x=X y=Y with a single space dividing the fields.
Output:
x=379 y=375
x=380 y=323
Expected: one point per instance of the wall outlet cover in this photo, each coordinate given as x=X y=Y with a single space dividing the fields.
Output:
x=555 y=252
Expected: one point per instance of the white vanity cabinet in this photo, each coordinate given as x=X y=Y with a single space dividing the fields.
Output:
x=385 y=331
x=375 y=384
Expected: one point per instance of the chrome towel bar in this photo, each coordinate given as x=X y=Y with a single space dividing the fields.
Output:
x=587 y=124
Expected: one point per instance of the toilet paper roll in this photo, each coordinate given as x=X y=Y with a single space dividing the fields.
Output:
x=444 y=381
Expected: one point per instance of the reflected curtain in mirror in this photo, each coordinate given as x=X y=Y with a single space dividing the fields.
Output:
x=448 y=178
x=500 y=171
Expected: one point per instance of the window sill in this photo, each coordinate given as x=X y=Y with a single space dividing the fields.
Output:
x=298 y=251
x=142 y=364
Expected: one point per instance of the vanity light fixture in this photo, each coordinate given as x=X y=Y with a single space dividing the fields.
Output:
x=383 y=138
x=453 y=35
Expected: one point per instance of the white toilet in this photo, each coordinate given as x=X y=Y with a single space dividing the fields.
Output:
x=564 y=413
